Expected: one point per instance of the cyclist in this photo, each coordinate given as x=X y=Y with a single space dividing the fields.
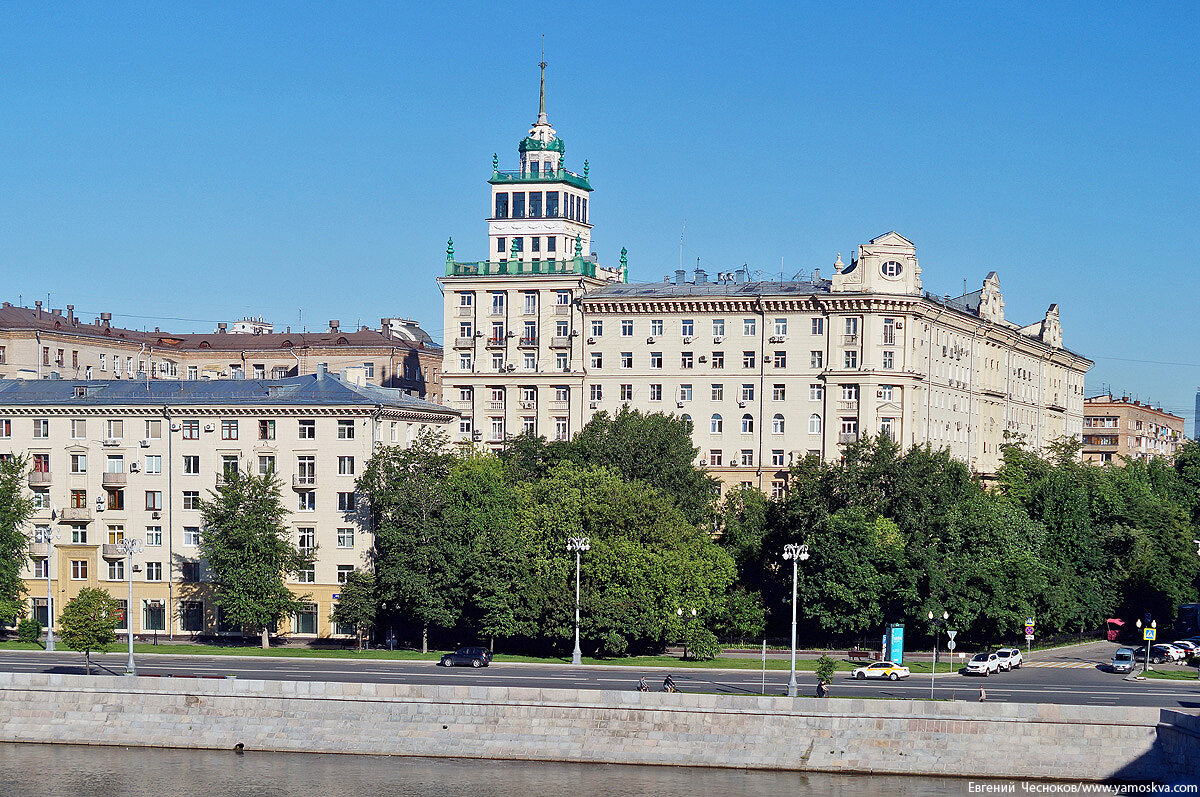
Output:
x=669 y=685
x=642 y=685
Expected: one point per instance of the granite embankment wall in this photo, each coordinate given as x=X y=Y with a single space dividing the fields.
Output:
x=833 y=735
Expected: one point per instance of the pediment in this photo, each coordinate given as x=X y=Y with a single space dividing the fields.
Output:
x=892 y=238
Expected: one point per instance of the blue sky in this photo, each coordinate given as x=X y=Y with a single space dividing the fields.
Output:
x=178 y=165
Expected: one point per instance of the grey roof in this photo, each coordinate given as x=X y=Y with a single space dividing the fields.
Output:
x=307 y=390
x=641 y=290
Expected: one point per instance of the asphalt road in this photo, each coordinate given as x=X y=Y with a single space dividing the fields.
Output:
x=1075 y=677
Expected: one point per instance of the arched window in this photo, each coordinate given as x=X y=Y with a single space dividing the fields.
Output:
x=777 y=424
x=716 y=425
x=814 y=424
x=747 y=424
x=686 y=417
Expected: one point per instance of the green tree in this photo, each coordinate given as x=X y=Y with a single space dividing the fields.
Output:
x=16 y=507
x=247 y=545
x=88 y=623
x=357 y=605
x=418 y=557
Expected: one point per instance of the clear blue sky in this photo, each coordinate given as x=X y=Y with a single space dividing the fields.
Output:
x=207 y=161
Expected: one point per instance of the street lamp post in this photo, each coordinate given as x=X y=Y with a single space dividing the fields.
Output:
x=795 y=554
x=1153 y=624
x=128 y=547
x=47 y=536
x=936 y=628
x=577 y=545
x=685 y=618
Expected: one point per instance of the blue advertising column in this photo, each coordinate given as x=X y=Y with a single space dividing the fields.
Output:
x=895 y=643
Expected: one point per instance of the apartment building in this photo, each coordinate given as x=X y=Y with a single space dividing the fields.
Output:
x=37 y=343
x=766 y=371
x=1117 y=428
x=128 y=459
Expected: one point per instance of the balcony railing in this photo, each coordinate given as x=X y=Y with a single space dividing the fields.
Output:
x=39 y=478
x=77 y=513
x=529 y=341
x=495 y=405
x=464 y=343
x=495 y=343
x=461 y=405
x=548 y=176
x=847 y=404
x=484 y=268
x=304 y=481
x=39 y=550
x=113 y=479
x=559 y=405
x=465 y=312
x=847 y=437
x=110 y=551
x=560 y=343
x=849 y=340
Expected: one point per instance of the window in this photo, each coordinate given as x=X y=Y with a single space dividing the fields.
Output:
x=266 y=430
x=626 y=392
x=345 y=466
x=116 y=429
x=849 y=392
x=816 y=359
x=747 y=457
x=778 y=488
x=306 y=539
x=852 y=325
x=749 y=326
x=116 y=570
x=891 y=269
x=685 y=392
x=191 y=536
x=781 y=359
x=597 y=360
x=191 y=429
x=306 y=501
x=887 y=427
x=560 y=429
x=718 y=326
x=116 y=499
x=715 y=458
x=191 y=616
x=306 y=470
x=193 y=372
x=597 y=329
x=154 y=500
x=5 y=427
x=154 y=571
x=79 y=534
x=191 y=465
x=464 y=361
x=747 y=392
x=885 y=392
x=777 y=458
x=345 y=429
x=562 y=298
x=78 y=429
x=41 y=568
x=345 y=502
x=191 y=499
x=595 y=392
x=718 y=392
x=229 y=466
x=656 y=359
x=153 y=464
x=818 y=326
x=889 y=359
x=154 y=536
x=345 y=538
x=747 y=424
x=626 y=359
x=189 y=572
x=304 y=621
x=562 y=393
x=777 y=424
x=79 y=569
x=154 y=612
x=716 y=425
x=79 y=499
x=778 y=393
x=41 y=427
x=849 y=426
x=718 y=359
x=229 y=429
x=814 y=424
x=41 y=463
x=780 y=326
x=816 y=392
x=627 y=328
x=307 y=430
x=685 y=360
x=655 y=393
x=687 y=327
x=656 y=326
x=851 y=358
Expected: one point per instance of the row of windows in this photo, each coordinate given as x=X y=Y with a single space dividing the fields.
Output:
x=152 y=464
x=540 y=204
x=816 y=392
x=230 y=429
x=529 y=360
x=114 y=498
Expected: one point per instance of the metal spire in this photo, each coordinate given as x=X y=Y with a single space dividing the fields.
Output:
x=542 y=92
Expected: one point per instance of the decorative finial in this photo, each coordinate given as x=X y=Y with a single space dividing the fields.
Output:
x=514 y=249
x=450 y=249
x=838 y=265
x=495 y=162
x=542 y=92
x=585 y=169
x=624 y=257
x=578 y=246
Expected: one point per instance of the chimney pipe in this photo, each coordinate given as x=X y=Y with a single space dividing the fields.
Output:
x=320 y=371
x=38 y=305
x=71 y=313
x=106 y=319
x=334 y=324
x=679 y=276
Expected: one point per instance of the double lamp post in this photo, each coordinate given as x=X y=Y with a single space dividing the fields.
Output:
x=795 y=554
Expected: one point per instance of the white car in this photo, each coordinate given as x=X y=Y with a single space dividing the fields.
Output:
x=1010 y=658
x=983 y=664
x=1175 y=652
x=1190 y=647
x=881 y=669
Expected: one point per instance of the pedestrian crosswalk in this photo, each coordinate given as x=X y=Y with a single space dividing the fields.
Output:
x=1062 y=665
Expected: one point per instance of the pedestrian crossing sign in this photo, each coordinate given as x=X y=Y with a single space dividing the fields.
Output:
x=1148 y=634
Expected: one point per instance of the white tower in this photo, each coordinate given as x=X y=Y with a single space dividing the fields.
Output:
x=540 y=214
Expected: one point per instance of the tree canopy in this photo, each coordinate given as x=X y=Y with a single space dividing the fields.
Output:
x=16 y=507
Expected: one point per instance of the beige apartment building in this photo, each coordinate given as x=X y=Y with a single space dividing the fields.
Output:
x=1120 y=428
x=125 y=459
x=766 y=371
x=37 y=343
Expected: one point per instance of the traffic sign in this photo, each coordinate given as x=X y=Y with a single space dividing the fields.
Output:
x=951 y=634
x=951 y=645
x=1028 y=621
x=1029 y=637
x=1028 y=630
x=1148 y=634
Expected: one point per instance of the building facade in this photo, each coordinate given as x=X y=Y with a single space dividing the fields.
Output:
x=122 y=459
x=1117 y=428
x=766 y=371
x=37 y=343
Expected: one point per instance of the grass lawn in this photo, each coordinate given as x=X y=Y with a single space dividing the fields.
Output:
x=1172 y=674
x=803 y=665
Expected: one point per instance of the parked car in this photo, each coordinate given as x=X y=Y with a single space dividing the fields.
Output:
x=881 y=669
x=475 y=657
x=1010 y=658
x=1190 y=647
x=1174 y=652
x=1159 y=654
x=983 y=664
x=1122 y=660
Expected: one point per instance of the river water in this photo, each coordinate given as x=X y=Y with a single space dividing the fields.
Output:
x=54 y=770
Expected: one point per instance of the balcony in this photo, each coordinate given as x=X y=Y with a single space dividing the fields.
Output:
x=113 y=479
x=847 y=405
x=559 y=405
x=483 y=268
x=110 y=551
x=528 y=342
x=495 y=405
x=39 y=478
x=461 y=405
x=76 y=513
x=465 y=312
x=849 y=340
x=548 y=176
x=464 y=343
x=560 y=343
x=39 y=550
x=304 y=481
x=847 y=437
x=495 y=343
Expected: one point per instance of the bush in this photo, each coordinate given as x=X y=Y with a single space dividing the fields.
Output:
x=29 y=630
x=702 y=643
x=825 y=669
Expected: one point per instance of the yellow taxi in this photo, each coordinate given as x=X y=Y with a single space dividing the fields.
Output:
x=881 y=669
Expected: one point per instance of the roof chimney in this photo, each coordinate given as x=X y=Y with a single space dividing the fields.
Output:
x=71 y=313
x=320 y=371
x=741 y=276
x=385 y=326
x=679 y=276
x=334 y=324
x=106 y=319
x=38 y=305
x=222 y=327
x=701 y=276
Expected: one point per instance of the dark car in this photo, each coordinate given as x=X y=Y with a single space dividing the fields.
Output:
x=476 y=657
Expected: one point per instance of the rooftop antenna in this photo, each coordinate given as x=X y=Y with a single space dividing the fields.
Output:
x=542 y=92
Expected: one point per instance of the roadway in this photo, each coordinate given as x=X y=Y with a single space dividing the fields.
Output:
x=1076 y=676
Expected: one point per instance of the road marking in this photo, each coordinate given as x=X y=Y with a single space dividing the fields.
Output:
x=1063 y=665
